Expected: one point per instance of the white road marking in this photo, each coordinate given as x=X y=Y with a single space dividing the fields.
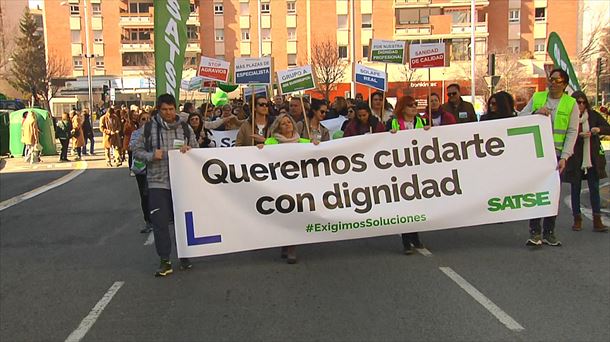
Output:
x=94 y=314
x=423 y=251
x=586 y=212
x=502 y=316
x=80 y=168
x=150 y=240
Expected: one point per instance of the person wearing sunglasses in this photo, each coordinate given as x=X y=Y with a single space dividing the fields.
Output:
x=461 y=110
x=439 y=116
x=588 y=162
x=499 y=106
x=405 y=117
x=262 y=122
x=364 y=122
x=317 y=112
x=563 y=114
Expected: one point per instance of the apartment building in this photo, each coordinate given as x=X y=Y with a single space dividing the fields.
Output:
x=121 y=33
x=10 y=13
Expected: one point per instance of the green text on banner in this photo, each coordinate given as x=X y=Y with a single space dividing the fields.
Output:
x=369 y=185
x=560 y=57
x=170 y=44
x=296 y=79
x=387 y=51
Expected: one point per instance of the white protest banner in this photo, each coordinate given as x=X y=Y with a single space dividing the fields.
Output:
x=387 y=51
x=223 y=138
x=214 y=69
x=370 y=185
x=296 y=79
x=429 y=55
x=333 y=125
x=253 y=70
x=371 y=77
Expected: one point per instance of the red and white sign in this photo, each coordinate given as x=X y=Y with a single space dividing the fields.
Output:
x=430 y=55
x=214 y=69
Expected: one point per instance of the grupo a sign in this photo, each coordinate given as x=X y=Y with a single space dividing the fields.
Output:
x=387 y=51
x=432 y=55
x=253 y=70
x=370 y=185
x=214 y=69
x=371 y=77
x=296 y=79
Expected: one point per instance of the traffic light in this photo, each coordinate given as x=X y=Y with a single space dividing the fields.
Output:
x=105 y=92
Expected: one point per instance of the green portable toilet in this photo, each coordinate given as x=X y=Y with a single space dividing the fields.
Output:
x=4 y=136
x=47 y=131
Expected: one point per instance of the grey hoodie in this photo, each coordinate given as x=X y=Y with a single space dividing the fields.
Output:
x=157 y=171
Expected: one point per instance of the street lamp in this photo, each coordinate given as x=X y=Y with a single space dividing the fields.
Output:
x=88 y=56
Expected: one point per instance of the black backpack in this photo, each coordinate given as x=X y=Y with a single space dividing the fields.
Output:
x=148 y=129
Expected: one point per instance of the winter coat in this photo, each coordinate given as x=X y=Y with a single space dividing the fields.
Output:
x=63 y=131
x=355 y=127
x=30 y=133
x=110 y=126
x=78 y=138
x=245 y=132
x=128 y=129
x=87 y=128
x=573 y=173
x=462 y=107
x=302 y=130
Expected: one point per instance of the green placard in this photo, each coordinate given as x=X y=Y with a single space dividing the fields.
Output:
x=387 y=51
x=560 y=57
x=296 y=79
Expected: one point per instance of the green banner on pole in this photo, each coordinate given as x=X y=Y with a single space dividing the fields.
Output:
x=170 y=44
x=558 y=54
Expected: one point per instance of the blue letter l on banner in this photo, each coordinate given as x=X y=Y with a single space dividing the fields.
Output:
x=191 y=240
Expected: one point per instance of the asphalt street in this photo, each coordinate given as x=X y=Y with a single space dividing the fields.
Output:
x=61 y=252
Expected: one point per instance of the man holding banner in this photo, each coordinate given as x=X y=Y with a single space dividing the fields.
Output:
x=564 y=114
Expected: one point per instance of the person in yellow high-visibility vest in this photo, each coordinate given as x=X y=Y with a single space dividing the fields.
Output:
x=563 y=112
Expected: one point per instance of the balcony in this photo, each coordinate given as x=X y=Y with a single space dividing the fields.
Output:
x=77 y=49
x=193 y=19
x=136 y=19
x=136 y=45
x=402 y=31
x=193 y=46
x=480 y=29
x=429 y=3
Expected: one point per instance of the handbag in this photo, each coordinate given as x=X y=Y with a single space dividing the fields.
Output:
x=138 y=167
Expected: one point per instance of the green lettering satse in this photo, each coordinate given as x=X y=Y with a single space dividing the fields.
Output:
x=494 y=204
x=518 y=201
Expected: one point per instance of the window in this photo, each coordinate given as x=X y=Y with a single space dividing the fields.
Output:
x=75 y=36
x=513 y=15
x=77 y=62
x=190 y=60
x=540 y=14
x=292 y=34
x=266 y=34
x=221 y=57
x=98 y=37
x=135 y=59
x=136 y=35
x=291 y=7
x=365 y=52
x=218 y=8
x=539 y=45
x=74 y=10
x=342 y=22
x=366 y=21
x=96 y=9
x=99 y=64
x=265 y=7
x=220 y=35
x=244 y=8
x=460 y=17
x=292 y=59
x=343 y=52
x=140 y=7
x=406 y=16
x=460 y=49
x=193 y=8
x=192 y=33
x=513 y=45
x=245 y=35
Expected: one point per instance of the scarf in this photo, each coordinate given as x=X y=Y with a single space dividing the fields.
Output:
x=282 y=139
x=586 y=146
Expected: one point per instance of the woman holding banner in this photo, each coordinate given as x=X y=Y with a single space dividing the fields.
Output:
x=378 y=104
x=364 y=122
x=405 y=118
x=259 y=131
x=317 y=112
x=283 y=130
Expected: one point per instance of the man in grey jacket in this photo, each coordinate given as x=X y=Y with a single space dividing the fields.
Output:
x=166 y=132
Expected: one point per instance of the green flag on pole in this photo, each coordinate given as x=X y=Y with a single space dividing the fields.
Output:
x=558 y=54
x=170 y=44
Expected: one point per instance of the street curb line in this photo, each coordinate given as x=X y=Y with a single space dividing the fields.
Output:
x=80 y=168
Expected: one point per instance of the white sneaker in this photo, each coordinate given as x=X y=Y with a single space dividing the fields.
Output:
x=131 y=174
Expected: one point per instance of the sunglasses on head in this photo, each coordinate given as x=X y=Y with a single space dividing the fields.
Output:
x=262 y=104
x=452 y=93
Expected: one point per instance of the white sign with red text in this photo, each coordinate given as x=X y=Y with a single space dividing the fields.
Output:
x=430 y=55
x=214 y=69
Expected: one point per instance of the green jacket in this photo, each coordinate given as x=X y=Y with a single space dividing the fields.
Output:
x=274 y=141
x=63 y=130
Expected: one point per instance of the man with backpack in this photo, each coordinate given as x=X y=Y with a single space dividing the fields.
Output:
x=164 y=132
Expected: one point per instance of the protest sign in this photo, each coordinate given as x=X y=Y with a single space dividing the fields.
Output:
x=223 y=138
x=387 y=51
x=431 y=55
x=560 y=58
x=371 y=77
x=295 y=79
x=258 y=90
x=214 y=69
x=253 y=70
x=370 y=185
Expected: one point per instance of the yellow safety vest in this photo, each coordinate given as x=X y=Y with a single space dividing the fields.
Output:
x=562 y=115
x=419 y=123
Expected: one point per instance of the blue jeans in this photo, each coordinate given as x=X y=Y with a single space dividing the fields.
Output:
x=593 y=182
x=92 y=139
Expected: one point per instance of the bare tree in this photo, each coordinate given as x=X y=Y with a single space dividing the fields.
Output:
x=586 y=58
x=327 y=66
x=410 y=75
x=513 y=74
x=56 y=67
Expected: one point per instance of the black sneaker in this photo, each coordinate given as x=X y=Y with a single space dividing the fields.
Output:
x=147 y=229
x=165 y=269
x=408 y=250
x=551 y=240
x=534 y=240
x=185 y=264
